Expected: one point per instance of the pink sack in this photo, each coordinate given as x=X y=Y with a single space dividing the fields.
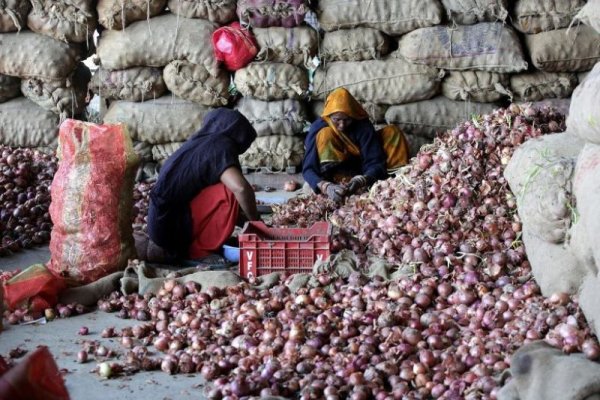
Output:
x=234 y=46
x=266 y=13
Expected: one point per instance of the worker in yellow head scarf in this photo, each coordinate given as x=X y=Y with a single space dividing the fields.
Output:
x=344 y=140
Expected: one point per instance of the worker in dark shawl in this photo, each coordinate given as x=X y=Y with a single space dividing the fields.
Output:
x=196 y=200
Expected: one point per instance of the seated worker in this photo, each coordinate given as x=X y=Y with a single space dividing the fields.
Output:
x=195 y=202
x=344 y=142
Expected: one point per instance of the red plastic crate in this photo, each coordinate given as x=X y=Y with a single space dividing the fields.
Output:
x=264 y=250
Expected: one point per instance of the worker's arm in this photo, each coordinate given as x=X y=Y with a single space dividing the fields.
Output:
x=234 y=180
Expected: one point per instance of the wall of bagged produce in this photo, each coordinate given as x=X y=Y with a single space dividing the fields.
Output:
x=422 y=65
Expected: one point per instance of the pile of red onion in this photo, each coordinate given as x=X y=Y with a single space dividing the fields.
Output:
x=141 y=198
x=25 y=178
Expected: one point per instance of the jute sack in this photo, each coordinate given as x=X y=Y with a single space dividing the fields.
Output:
x=487 y=46
x=157 y=42
x=164 y=120
x=536 y=86
x=274 y=152
x=265 y=13
x=111 y=13
x=160 y=152
x=272 y=81
x=429 y=117
x=65 y=20
x=220 y=11
x=390 y=16
x=296 y=45
x=376 y=111
x=280 y=117
x=469 y=12
x=478 y=86
x=356 y=44
x=132 y=84
x=31 y=55
x=584 y=113
x=590 y=14
x=535 y=16
x=13 y=15
x=25 y=124
x=193 y=82
x=66 y=97
x=389 y=81
x=143 y=150
x=565 y=50
x=10 y=87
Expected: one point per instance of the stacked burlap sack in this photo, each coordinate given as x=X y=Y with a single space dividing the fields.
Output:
x=42 y=79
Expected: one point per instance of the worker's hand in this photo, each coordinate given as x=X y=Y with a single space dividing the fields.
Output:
x=356 y=183
x=333 y=191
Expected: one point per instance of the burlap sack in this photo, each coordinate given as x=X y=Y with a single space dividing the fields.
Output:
x=143 y=150
x=193 y=82
x=590 y=14
x=132 y=84
x=281 y=117
x=274 y=152
x=157 y=42
x=10 y=87
x=478 y=86
x=31 y=55
x=376 y=111
x=497 y=48
x=468 y=12
x=356 y=44
x=25 y=124
x=390 y=16
x=565 y=50
x=164 y=120
x=13 y=15
x=111 y=13
x=66 y=97
x=429 y=117
x=266 y=13
x=589 y=301
x=389 y=81
x=535 y=16
x=584 y=113
x=287 y=45
x=219 y=11
x=536 y=86
x=65 y=20
x=272 y=81
x=160 y=152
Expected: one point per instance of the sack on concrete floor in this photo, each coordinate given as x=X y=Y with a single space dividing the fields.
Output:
x=31 y=55
x=428 y=118
x=390 y=16
x=535 y=16
x=164 y=120
x=157 y=42
x=272 y=81
x=469 y=12
x=356 y=44
x=25 y=124
x=160 y=152
x=274 y=152
x=13 y=15
x=10 y=87
x=67 y=97
x=584 y=113
x=132 y=84
x=220 y=11
x=565 y=50
x=376 y=111
x=478 y=86
x=194 y=83
x=280 y=117
x=287 y=45
x=536 y=86
x=111 y=13
x=487 y=46
x=389 y=81
x=590 y=14
x=266 y=13
x=67 y=21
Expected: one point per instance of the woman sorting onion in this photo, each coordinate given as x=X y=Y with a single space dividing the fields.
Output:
x=195 y=202
x=343 y=143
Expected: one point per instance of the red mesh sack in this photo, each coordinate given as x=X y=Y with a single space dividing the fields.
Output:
x=35 y=289
x=234 y=46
